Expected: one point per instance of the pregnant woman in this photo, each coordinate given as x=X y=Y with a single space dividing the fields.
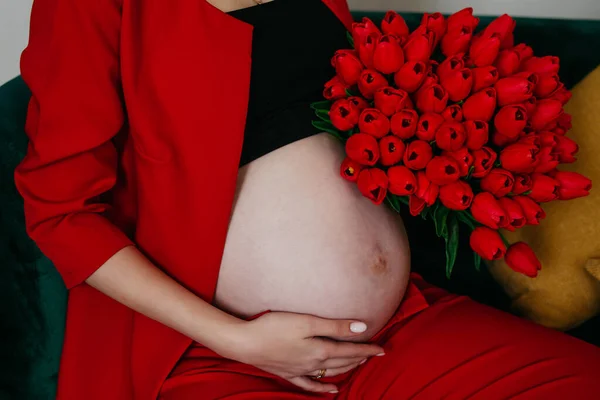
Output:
x=209 y=245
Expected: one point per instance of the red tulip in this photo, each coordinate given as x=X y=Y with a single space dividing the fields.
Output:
x=546 y=112
x=522 y=184
x=544 y=188
x=435 y=22
x=456 y=195
x=404 y=123
x=388 y=56
x=450 y=65
x=350 y=169
x=563 y=124
x=373 y=184
x=410 y=76
x=373 y=122
x=366 y=49
x=457 y=40
x=484 y=77
x=415 y=205
x=513 y=90
x=391 y=149
x=442 y=170
x=548 y=139
x=463 y=159
x=418 y=153
x=335 y=89
x=501 y=140
x=501 y=27
x=344 y=114
x=547 y=85
x=511 y=120
x=427 y=191
x=450 y=136
x=389 y=100
x=508 y=62
x=525 y=52
x=428 y=125
x=508 y=42
x=498 y=182
x=461 y=18
x=572 y=185
x=481 y=105
x=519 y=157
x=532 y=210
x=347 y=66
x=419 y=45
x=530 y=138
x=562 y=95
x=483 y=161
x=360 y=30
x=548 y=160
x=484 y=51
x=542 y=65
x=458 y=84
x=521 y=258
x=432 y=99
x=402 y=181
x=566 y=149
x=529 y=105
x=394 y=24
x=487 y=243
x=477 y=134
x=430 y=79
x=371 y=81
x=453 y=113
x=363 y=149
x=487 y=211
x=514 y=212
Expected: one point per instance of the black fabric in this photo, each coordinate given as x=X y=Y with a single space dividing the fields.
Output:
x=292 y=45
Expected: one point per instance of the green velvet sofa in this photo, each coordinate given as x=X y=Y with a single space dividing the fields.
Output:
x=33 y=298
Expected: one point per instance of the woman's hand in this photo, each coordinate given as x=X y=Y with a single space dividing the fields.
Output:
x=293 y=347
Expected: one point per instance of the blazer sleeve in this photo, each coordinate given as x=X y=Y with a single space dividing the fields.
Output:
x=72 y=67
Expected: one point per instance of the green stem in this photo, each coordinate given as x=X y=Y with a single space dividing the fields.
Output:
x=506 y=243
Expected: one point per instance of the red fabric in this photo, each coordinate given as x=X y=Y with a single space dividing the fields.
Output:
x=437 y=346
x=145 y=100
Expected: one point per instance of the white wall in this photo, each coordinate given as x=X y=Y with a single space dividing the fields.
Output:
x=14 y=17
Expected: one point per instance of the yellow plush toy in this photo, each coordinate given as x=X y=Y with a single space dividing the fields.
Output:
x=567 y=289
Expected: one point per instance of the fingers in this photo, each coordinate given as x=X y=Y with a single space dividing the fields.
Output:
x=342 y=362
x=338 y=328
x=337 y=371
x=351 y=350
x=312 y=386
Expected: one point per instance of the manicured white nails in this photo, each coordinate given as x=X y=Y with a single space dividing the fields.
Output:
x=358 y=327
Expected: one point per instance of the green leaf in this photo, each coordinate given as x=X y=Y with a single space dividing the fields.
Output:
x=323 y=114
x=321 y=105
x=471 y=169
x=477 y=261
x=439 y=218
x=392 y=200
x=461 y=215
x=327 y=127
x=403 y=199
x=349 y=93
x=451 y=244
x=350 y=38
x=426 y=211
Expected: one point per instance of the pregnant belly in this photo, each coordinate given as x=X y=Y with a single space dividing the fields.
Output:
x=301 y=239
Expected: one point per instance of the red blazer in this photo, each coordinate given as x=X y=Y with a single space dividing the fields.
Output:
x=136 y=125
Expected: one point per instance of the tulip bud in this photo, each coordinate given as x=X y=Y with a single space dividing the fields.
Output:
x=463 y=159
x=410 y=76
x=514 y=212
x=450 y=136
x=436 y=23
x=572 y=185
x=542 y=65
x=402 y=181
x=532 y=210
x=391 y=149
x=487 y=211
x=363 y=149
x=508 y=62
x=350 y=169
x=511 y=120
x=521 y=258
x=519 y=157
x=525 y=52
x=404 y=123
x=442 y=170
x=477 y=134
x=458 y=84
x=428 y=125
x=335 y=89
x=548 y=160
x=415 y=205
x=450 y=65
x=501 y=27
x=360 y=30
x=419 y=45
x=513 y=90
x=369 y=82
x=547 y=85
x=347 y=66
x=522 y=184
x=373 y=122
x=544 y=188
x=498 y=182
x=483 y=161
x=484 y=51
x=394 y=24
x=426 y=190
x=373 y=184
x=388 y=56
x=484 y=77
x=432 y=99
x=456 y=195
x=389 y=100
x=418 y=153
x=457 y=40
x=453 y=113
x=487 y=243
x=566 y=149
x=344 y=114
x=481 y=105
x=546 y=112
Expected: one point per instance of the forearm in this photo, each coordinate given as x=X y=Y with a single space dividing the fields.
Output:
x=131 y=279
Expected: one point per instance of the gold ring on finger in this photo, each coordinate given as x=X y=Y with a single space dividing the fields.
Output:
x=321 y=373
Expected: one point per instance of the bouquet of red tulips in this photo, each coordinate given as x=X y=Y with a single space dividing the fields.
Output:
x=461 y=126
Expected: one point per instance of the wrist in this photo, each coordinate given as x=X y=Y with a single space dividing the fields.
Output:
x=225 y=335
